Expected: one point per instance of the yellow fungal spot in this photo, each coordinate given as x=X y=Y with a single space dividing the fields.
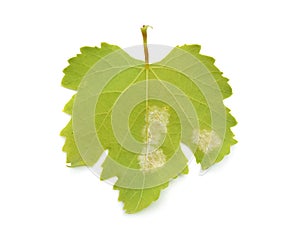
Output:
x=152 y=160
x=156 y=120
x=206 y=140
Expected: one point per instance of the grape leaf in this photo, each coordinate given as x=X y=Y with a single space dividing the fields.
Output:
x=141 y=112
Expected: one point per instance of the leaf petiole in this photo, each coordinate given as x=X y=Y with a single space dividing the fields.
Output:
x=146 y=52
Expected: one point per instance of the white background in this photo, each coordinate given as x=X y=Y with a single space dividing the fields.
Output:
x=256 y=45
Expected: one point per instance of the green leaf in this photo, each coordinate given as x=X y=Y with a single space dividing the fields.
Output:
x=141 y=114
x=78 y=67
x=183 y=61
x=83 y=62
x=135 y=199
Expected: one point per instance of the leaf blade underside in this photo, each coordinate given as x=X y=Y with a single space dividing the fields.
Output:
x=137 y=199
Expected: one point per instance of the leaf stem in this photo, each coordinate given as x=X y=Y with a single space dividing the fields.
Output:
x=146 y=52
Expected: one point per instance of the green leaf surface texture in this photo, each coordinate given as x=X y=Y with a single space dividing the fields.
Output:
x=141 y=115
